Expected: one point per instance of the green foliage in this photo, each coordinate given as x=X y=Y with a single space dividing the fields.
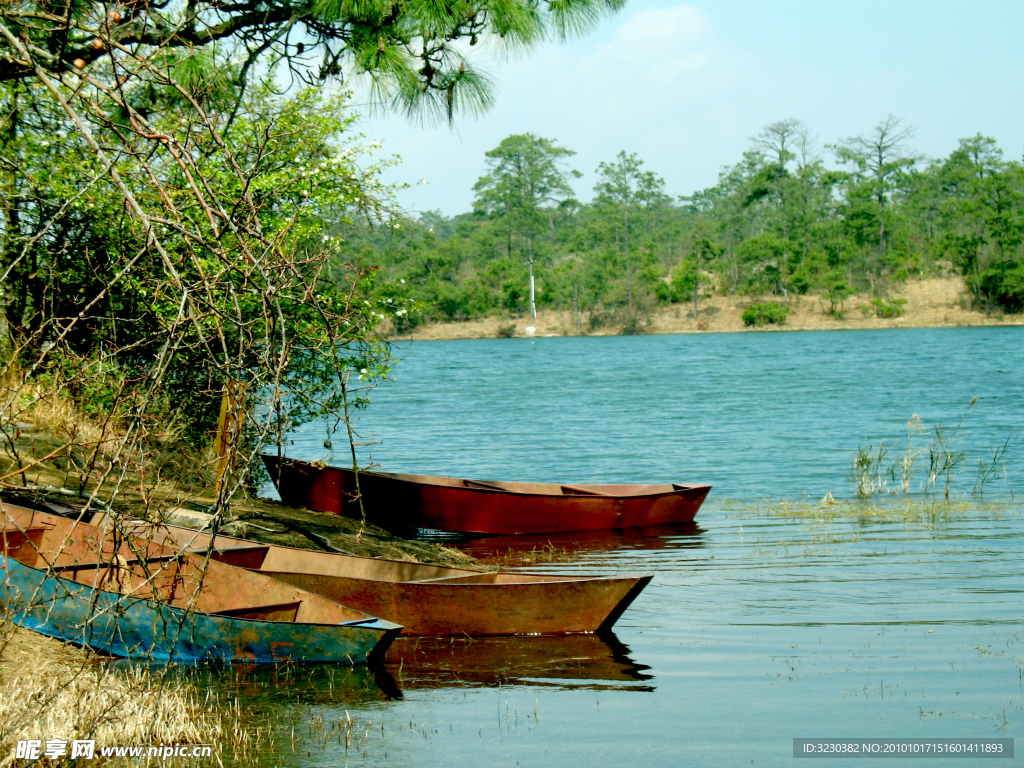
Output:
x=837 y=290
x=887 y=308
x=525 y=182
x=412 y=52
x=764 y=260
x=108 y=320
x=627 y=198
x=778 y=222
x=766 y=313
x=1003 y=284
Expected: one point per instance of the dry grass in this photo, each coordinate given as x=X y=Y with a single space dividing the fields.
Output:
x=153 y=496
x=57 y=446
x=934 y=302
x=545 y=554
x=49 y=411
x=53 y=690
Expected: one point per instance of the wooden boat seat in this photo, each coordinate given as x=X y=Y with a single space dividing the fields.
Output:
x=279 y=612
x=566 y=490
x=485 y=485
x=242 y=557
x=572 y=490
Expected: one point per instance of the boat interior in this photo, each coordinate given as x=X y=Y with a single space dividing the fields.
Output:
x=105 y=558
x=540 y=489
x=273 y=560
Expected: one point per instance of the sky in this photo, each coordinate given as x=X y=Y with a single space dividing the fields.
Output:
x=686 y=85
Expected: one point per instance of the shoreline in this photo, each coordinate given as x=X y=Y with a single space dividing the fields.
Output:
x=929 y=303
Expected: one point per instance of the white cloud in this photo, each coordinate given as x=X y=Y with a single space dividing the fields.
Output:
x=654 y=45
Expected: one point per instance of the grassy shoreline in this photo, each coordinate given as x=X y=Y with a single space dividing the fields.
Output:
x=181 y=492
x=929 y=303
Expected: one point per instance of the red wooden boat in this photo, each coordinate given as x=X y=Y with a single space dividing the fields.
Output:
x=478 y=506
x=427 y=599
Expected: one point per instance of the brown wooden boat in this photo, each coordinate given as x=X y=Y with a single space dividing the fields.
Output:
x=139 y=598
x=430 y=599
x=478 y=506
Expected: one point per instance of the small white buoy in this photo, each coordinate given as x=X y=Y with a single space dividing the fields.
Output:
x=529 y=330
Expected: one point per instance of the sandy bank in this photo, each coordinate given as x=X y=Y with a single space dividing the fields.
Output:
x=930 y=303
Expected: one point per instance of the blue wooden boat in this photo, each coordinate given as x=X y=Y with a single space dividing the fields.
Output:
x=130 y=597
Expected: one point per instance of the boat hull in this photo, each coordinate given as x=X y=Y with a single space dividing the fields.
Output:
x=492 y=607
x=434 y=600
x=134 y=628
x=403 y=502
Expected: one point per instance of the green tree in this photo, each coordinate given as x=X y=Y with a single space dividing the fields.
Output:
x=880 y=162
x=982 y=201
x=525 y=180
x=624 y=191
x=414 y=51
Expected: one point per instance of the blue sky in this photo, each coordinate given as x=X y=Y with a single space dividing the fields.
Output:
x=685 y=86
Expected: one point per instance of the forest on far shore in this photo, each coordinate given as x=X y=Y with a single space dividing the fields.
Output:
x=792 y=216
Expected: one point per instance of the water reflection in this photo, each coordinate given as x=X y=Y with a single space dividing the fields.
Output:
x=269 y=685
x=843 y=624
x=567 y=547
x=597 y=662
x=588 y=662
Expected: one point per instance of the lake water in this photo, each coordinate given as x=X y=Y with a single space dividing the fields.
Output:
x=758 y=415
x=773 y=618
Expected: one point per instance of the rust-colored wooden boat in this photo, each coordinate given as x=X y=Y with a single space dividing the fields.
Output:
x=138 y=598
x=477 y=506
x=430 y=599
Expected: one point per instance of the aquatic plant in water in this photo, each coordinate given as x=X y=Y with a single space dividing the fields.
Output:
x=945 y=455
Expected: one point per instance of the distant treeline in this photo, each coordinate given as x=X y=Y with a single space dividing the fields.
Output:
x=779 y=222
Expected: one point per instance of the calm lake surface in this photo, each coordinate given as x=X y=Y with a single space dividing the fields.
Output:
x=773 y=617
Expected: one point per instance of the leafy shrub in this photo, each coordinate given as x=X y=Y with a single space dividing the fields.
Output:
x=665 y=293
x=634 y=326
x=836 y=293
x=800 y=282
x=889 y=308
x=1003 y=283
x=766 y=313
x=682 y=283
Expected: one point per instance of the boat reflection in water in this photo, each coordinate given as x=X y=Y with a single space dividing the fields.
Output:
x=583 y=662
x=597 y=662
x=262 y=688
x=513 y=551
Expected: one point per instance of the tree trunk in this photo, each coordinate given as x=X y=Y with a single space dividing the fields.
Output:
x=533 y=301
x=696 y=290
x=629 y=270
x=576 y=286
x=8 y=246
